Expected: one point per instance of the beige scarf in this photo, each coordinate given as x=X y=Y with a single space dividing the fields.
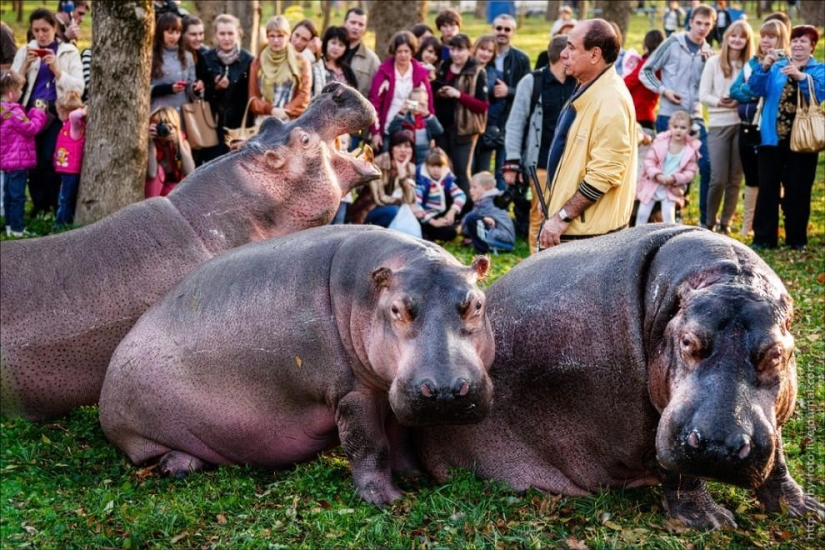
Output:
x=277 y=68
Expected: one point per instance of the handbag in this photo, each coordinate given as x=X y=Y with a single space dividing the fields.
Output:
x=750 y=130
x=492 y=138
x=234 y=136
x=406 y=222
x=200 y=124
x=808 y=130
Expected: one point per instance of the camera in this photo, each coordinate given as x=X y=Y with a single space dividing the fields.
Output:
x=515 y=192
x=779 y=54
x=164 y=129
x=412 y=105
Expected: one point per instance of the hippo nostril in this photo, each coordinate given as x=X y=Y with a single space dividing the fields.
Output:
x=694 y=439
x=745 y=448
x=461 y=387
x=426 y=390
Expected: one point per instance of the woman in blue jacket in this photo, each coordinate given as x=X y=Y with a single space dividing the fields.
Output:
x=777 y=79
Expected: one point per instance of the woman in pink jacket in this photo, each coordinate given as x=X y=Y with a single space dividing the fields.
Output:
x=17 y=151
x=671 y=164
x=392 y=84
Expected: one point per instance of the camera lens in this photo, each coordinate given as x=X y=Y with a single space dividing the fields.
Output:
x=163 y=129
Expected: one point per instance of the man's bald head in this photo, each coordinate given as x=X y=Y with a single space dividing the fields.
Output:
x=598 y=33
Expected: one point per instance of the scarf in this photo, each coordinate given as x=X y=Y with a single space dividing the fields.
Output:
x=277 y=68
x=228 y=58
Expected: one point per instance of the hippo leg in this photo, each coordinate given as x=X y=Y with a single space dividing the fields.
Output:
x=177 y=464
x=361 y=430
x=780 y=491
x=687 y=499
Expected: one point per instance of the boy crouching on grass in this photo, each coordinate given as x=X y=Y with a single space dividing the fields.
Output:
x=488 y=226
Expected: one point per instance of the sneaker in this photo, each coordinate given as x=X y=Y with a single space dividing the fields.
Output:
x=18 y=234
x=8 y=231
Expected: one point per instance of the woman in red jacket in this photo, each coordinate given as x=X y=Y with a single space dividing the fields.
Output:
x=644 y=100
x=392 y=84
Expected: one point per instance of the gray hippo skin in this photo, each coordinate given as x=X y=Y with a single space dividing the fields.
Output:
x=68 y=299
x=278 y=350
x=660 y=354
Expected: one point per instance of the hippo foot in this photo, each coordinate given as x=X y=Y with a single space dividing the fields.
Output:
x=780 y=493
x=695 y=508
x=178 y=464
x=377 y=491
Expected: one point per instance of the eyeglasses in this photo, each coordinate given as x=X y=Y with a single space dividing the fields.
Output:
x=504 y=29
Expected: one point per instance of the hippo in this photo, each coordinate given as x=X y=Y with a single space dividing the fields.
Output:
x=279 y=350
x=69 y=299
x=660 y=354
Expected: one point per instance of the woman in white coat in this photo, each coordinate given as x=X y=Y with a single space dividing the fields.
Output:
x=51 y=69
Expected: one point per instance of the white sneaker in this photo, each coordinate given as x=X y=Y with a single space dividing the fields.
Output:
x=8 y=231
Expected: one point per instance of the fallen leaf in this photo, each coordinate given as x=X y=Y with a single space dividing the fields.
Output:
x=783 y=535
x=29 y=529
x=221 y=519
x=803 y=445
x=177 y=538
x=298 y=361
x=821 y=278
x=813 y=337
x=674 y=526
x=46 y=440
x=575 y=544
x=612 y=525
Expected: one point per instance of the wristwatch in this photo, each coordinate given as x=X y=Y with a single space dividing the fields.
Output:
x=564 y=217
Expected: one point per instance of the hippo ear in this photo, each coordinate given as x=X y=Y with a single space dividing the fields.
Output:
x=382 y=277
x=481 y=265
x=274 y=159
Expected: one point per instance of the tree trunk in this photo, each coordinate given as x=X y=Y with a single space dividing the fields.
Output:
x=208 y=10
x=18 y=5
x=481 y=9
x=114 y=163
x=249 y=14
x=552 y=10
x=326 y=8
x=389 y=17
x=619 y=12
x=813 y=13
x=583 y=7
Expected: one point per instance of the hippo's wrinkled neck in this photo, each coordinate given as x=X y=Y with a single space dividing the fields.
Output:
x=232 y=203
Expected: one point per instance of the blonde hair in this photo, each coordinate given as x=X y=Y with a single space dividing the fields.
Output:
x=680 y=115
x=779 y=30
x=10 y=80
x=486 y=179
x=437 y=157
x=277 y=23
x=229 y=19
x=486 y=39
x=171 y=117
x=68 y=103
x=738 y=27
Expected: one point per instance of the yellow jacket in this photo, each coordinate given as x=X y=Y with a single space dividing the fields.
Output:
x=601 y=149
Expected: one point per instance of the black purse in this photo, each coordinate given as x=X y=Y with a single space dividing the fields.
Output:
x=492 y=138
x=751 y=137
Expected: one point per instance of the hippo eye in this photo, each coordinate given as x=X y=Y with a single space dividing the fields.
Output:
x=396 y=312
x=305 y=139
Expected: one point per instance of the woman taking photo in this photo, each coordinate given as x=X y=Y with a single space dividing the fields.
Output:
x=170 y=157
x=773 y=35
x=723 y=123
x=227 y=68
x=173 y=68
x=281 y=79
x=51 y=70
x=484 y=52
x=332 y=67
x=392 y=84
x=777 y=79
x=461 y=106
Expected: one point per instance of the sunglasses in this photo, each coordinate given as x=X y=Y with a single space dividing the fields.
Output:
x=504 y=29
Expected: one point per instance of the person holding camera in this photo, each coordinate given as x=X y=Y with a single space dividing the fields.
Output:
x=540 y=97
x=173 y=67
x=779 y=79
x=170 y=157
x=397 y=76
x=51 y=69
x=415 y=116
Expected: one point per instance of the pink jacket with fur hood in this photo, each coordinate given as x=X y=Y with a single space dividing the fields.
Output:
x=655 y=161
x=17 y=131
x=383 y=89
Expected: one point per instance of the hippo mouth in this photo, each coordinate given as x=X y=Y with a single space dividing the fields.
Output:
x=353 y=169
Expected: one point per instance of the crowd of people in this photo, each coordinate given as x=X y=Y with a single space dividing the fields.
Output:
x=465 y=128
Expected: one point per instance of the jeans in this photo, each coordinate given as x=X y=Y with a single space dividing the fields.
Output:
x=44 y=182
x=67 y=199
x=14 y=197
x=704 y=164
x=382 y=215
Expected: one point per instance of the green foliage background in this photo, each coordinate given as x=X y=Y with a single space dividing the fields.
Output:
x=62 y=485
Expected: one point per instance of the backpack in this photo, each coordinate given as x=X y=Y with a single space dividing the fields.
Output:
x=538 y=84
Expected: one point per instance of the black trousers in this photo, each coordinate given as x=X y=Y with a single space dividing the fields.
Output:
x=748 y=157
x=460 y=152
x=44 y=182
x=780 y=168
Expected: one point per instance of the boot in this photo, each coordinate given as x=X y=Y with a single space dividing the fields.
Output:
x=748 y=208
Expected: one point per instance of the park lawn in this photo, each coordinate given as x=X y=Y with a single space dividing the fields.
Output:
x=62 y=485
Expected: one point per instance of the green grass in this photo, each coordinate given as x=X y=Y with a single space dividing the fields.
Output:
x=62 y=485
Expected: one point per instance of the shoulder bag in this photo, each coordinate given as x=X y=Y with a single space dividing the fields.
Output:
x=808 y=130
x=236 y=136
x=199 y=123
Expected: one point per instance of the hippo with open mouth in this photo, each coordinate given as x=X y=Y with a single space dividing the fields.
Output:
x=659 y=354
x=69 y=299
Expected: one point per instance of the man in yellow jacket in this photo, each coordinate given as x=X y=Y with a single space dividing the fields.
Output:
x=592 y=160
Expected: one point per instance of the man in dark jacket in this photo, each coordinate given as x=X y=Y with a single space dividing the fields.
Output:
x=514 y=65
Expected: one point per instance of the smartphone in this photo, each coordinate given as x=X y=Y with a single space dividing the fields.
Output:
x=779 y=54
x=181 y=83
x=41 y=52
